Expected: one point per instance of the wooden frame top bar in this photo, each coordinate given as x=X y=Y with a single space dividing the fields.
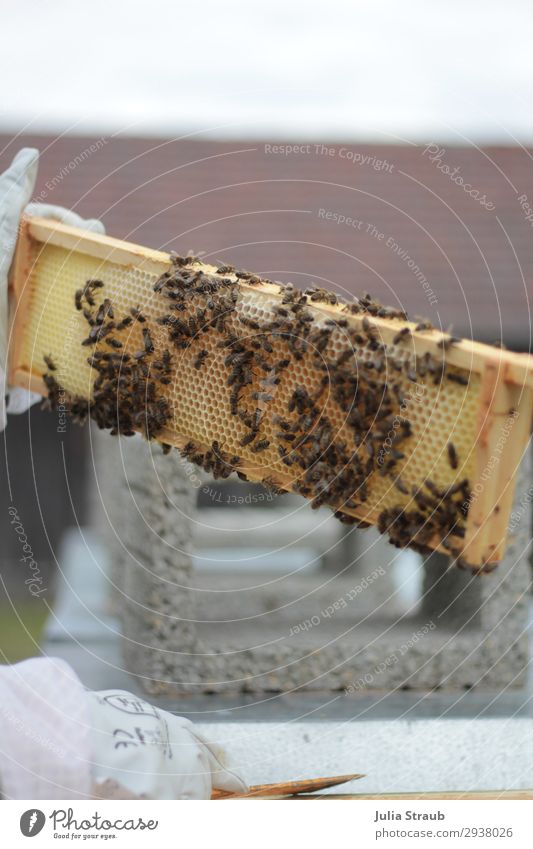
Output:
x=513 y=368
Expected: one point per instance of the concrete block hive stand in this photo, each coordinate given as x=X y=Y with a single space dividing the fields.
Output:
x=186 y=632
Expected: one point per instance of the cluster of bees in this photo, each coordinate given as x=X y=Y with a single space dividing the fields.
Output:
x=355 y=372
x=77 y=407
x=126 y=394
x=326 y=471
x=439 y=512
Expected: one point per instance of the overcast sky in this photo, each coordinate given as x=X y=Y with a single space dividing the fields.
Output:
x=375 y=70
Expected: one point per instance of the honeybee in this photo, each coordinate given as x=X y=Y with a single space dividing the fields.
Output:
x=202 y=355
x=452 y=455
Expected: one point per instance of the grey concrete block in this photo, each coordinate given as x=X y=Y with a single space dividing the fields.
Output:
x=186 y=633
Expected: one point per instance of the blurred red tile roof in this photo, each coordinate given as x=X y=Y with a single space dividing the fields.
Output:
x=445 y=233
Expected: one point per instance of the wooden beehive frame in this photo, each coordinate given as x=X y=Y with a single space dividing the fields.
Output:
x=506 y=378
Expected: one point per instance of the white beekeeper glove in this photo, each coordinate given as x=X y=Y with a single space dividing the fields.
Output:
x=151 y=752
x=60 y=741
x=16 y=189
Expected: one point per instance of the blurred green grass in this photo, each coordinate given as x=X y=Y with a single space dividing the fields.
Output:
x=20 y=630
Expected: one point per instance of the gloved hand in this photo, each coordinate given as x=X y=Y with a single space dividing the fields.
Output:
x=16 y=188
x=152 y=753
x=60 y=741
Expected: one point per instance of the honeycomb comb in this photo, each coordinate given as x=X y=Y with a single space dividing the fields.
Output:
x=385 y=421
